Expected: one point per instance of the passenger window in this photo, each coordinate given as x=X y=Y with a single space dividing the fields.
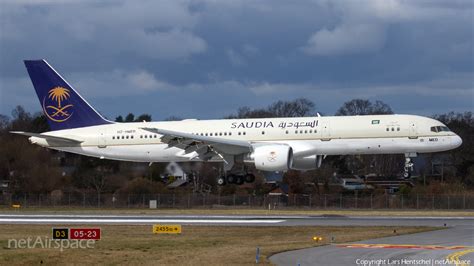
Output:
x=287 y=132
x=131 y=137
x=113 y=137
x=127 y=137
x=230 y=133
x=263 y=132
x=244 y=133
x=238 y=133
x=388 y=129
x=393 y=129
x=296 y=131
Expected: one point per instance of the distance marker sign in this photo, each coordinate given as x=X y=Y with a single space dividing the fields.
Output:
x=167 y=229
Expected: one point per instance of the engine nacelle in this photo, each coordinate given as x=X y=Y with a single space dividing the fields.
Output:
x=272 y=157
x=307 y=163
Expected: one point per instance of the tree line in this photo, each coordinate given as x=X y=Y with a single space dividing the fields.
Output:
x=32 y=169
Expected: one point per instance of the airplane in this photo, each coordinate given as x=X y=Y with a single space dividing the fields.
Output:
x=269 y=144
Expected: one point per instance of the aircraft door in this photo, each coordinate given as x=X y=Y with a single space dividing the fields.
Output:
x=325 y=130
x=413 y=132
x=102 y=140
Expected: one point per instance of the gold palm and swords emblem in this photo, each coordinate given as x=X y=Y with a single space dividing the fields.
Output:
x=58 y=113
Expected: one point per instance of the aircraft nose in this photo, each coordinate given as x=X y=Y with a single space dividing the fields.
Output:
x=456 y=141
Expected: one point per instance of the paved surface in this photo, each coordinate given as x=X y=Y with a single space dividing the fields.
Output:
x=264 y=220
x=428 y=248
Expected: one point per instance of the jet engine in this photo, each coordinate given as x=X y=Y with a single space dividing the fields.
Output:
x=307 y=163
x=272 y=157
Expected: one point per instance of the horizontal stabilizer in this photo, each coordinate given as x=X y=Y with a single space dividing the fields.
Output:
x=47 y=137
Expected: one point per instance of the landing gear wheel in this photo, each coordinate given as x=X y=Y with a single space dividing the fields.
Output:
x=239 y=180
x=231 y=179
x=406 y=175
x=249 y=178
x=221 y=181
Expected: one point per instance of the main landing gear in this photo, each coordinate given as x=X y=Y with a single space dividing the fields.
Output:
x=237 y=179
x=234 y=173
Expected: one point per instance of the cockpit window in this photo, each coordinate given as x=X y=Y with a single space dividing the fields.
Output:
x=440 y=129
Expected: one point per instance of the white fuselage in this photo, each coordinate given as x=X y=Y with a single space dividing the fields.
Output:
x=308 y=136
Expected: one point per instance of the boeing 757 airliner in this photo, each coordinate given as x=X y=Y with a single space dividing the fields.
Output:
x=270 y=144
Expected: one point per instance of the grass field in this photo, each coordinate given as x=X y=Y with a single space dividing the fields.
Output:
x=197 y=245
x=247 y=211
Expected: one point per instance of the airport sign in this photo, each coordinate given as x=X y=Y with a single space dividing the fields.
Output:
x=167 y=229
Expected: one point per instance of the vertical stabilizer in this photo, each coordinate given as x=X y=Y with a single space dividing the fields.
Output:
x=63 y=107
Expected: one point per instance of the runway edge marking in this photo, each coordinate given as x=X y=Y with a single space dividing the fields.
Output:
x=405 y=246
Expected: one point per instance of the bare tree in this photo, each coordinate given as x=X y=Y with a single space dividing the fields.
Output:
x=98 y=182
x=364 y=107
x=295 y=108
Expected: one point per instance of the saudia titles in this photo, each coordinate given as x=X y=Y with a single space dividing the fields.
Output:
x=56 y=106
x=267 y=124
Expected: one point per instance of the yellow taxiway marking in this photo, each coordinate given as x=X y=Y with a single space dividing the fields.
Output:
x=454 y=257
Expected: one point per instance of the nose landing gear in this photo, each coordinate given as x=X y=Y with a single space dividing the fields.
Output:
x=408 y=169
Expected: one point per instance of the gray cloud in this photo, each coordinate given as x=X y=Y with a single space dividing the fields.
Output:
x=346 y=39
x=415 y=55
x=364 y=24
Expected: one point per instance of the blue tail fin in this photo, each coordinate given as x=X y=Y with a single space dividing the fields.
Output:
x=62 y=105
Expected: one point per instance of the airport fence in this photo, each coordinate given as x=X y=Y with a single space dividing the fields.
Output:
x=183 y=201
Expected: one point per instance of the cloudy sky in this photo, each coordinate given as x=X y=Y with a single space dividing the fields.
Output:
x=205 y=58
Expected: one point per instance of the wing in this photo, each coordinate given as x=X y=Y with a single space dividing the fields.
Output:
x=205 y=147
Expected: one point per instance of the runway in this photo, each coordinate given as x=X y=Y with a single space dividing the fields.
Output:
x=236 y=220
x=454 y=241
